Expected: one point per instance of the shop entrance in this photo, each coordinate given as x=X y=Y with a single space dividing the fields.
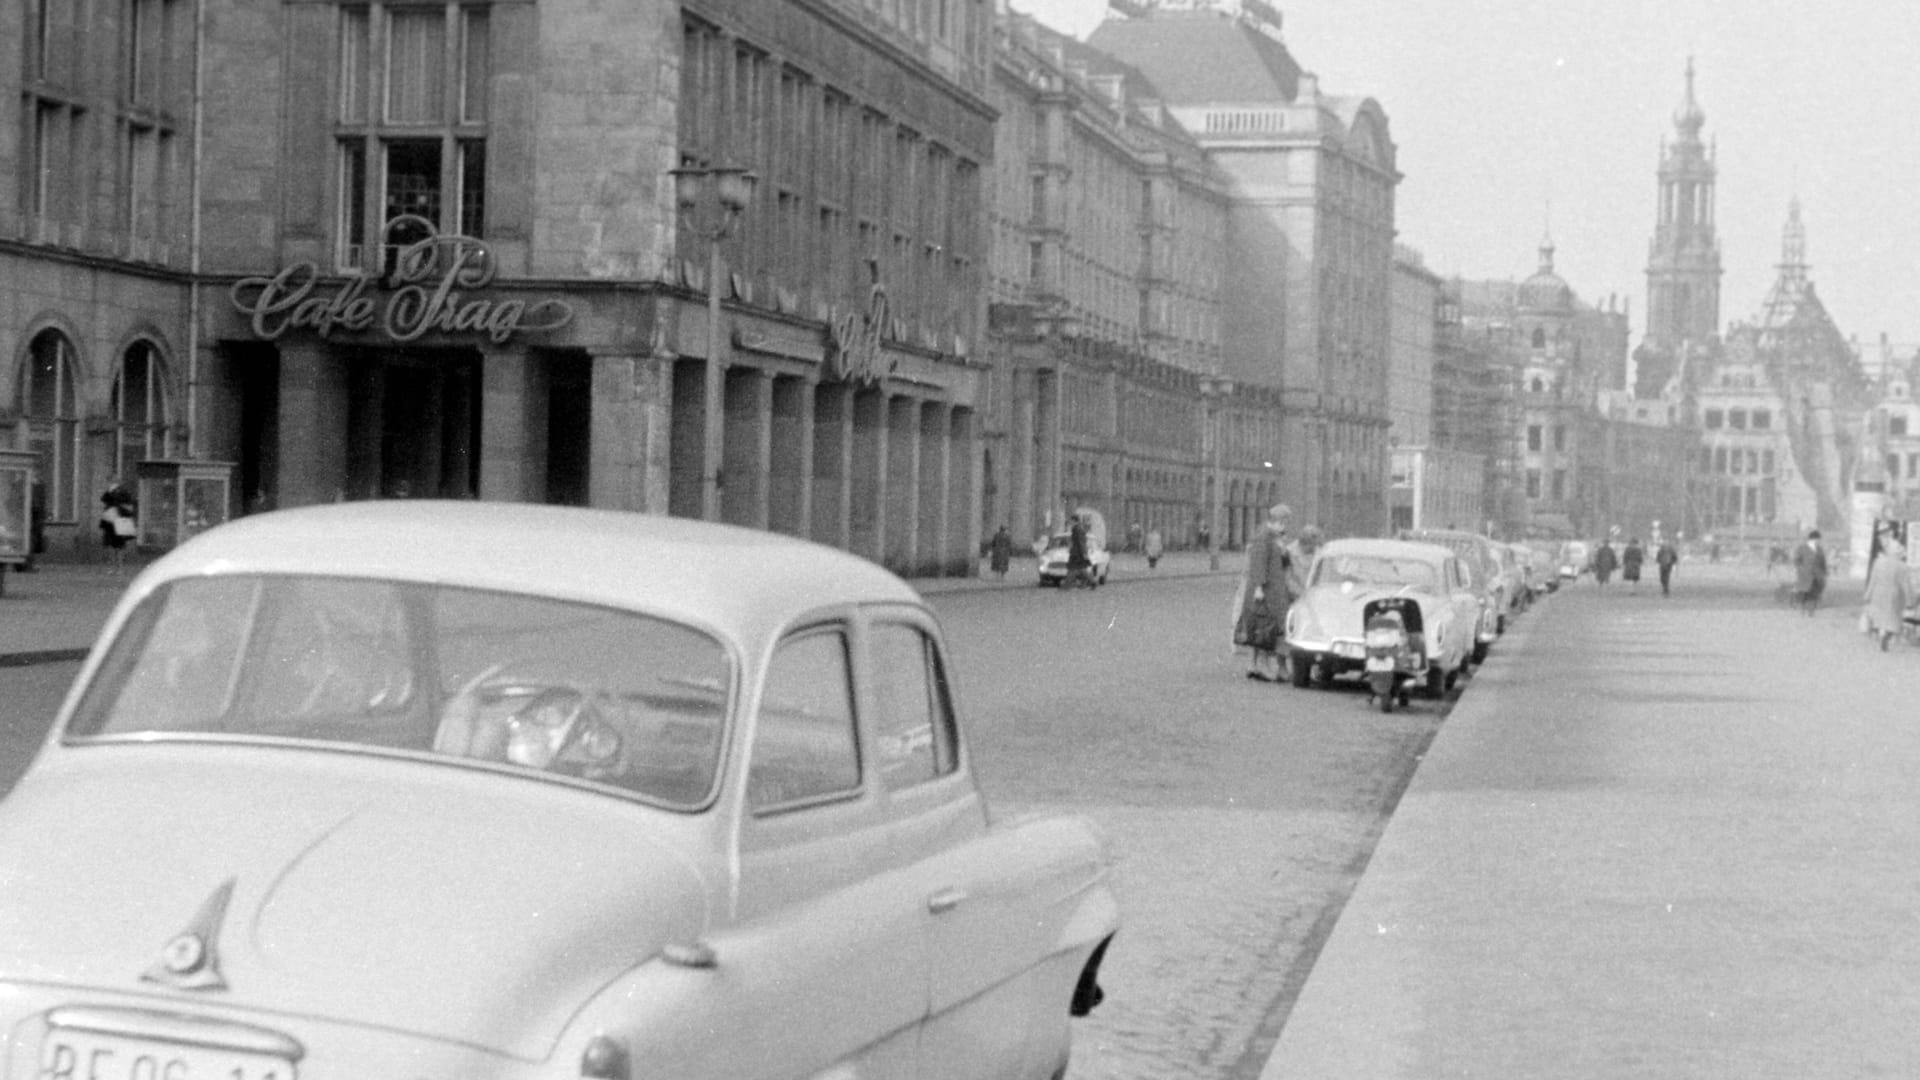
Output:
x=413 y=425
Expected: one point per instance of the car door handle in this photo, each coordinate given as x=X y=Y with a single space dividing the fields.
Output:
x=945 y=900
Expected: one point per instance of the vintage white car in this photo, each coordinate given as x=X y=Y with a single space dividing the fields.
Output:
x=1053 y=553
x=451 y=791
x=1326 y=630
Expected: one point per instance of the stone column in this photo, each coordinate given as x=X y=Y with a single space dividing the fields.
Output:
x=789 y=494
x=746 y=447
x=867 y=476
x=313 y=425
x=1047 y=425
x=832 y=464
x=965 y=484
x=1021 y=464
x=931 y=544
x=903 y=484
x=616 y=446
x=653 y=412
x=513 y=427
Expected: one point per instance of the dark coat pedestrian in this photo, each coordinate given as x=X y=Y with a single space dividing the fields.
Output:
x=1810 y=572
x=1079 y=563
x=1265 y=594
x=1666 y=558
x=1000 y=552
x=1604 y=562
x=1631 y=560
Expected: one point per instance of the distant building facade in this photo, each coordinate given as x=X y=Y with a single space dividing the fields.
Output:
x=1310 y=242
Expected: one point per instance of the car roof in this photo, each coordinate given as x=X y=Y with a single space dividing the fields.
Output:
x=1389 y=549
x=738 y=581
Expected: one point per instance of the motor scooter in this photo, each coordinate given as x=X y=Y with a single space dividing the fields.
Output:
x=1396 y=650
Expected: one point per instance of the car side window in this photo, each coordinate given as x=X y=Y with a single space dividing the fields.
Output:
x=804 y=745
x=913 y=710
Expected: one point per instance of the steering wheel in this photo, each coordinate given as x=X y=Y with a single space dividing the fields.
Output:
x=556 y=728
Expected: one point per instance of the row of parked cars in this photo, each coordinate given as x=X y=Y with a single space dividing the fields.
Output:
x=1412 y=613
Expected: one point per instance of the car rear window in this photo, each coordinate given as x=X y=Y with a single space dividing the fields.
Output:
x=527 y=683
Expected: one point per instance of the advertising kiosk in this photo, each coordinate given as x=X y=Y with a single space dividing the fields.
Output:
x=181 y=499
x=16 y=509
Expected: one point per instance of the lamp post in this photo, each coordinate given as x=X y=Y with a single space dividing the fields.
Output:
x=1212 y=390
x=712 y=198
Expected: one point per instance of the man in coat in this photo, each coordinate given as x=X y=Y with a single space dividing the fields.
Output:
x=1810 y=572
x=1665 y=559
x=1604 y=561
x=1000 y=552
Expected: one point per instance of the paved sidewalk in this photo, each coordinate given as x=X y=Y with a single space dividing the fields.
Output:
x=53 y=614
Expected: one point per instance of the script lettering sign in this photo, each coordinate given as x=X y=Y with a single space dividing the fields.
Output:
x=855 y=340
x=431 y=287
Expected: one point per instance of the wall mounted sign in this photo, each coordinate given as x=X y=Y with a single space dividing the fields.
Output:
x=430 y=287
x=854 y=342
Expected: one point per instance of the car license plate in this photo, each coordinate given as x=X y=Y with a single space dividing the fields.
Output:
x=1380 y=663
x=86 y=1055
x=1349 y=650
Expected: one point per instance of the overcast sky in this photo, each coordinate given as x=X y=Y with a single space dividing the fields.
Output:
x=1515 y=116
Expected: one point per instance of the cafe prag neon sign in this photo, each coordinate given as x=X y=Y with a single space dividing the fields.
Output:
x=429 y=288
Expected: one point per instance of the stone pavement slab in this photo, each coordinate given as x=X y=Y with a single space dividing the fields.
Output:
x=1670 y=838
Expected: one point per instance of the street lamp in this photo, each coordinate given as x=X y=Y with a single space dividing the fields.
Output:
x=1213 y=389
x=712 y=199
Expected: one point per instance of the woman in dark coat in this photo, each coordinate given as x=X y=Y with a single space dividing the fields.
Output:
x=1000 y=552
x=1630 y=561
x=1266 y=590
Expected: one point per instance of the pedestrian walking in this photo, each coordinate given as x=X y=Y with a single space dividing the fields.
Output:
x=1666 y=558
x=1156 y=546
x=1887 y=594
x=1630 y=563
x=1079 y=564
x=119 y=523
x=1809 y=572
x=1000 y=552
x=1604 y=561
x=1265 y=594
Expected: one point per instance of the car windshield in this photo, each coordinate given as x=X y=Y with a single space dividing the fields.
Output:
x=1373 y=570
x=523 y=682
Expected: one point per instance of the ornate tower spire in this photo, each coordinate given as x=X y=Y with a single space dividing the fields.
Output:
x=1793 y=245
x=1683 y=264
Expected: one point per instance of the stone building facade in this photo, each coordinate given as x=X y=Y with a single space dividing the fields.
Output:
x=1106 y=286
x=1310 y=230
x=395 y=250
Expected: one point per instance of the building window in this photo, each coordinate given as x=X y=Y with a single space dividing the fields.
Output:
x=1539 y=337
x=1533 y=437
x=1762 y=419
x=1559 y=485
x=140 y=410
x=1533 y=483
x=50 y=407
x=1716 y=419
x=1897 y=424
x=1737 y=419
x=1559 y=438
x=421 y=152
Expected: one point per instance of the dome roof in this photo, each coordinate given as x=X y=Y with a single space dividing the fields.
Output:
x=1546 y=290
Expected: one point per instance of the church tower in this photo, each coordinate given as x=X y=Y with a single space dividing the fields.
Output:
x=1683 y=261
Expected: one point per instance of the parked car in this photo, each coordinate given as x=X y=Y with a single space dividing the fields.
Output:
x=1053 y=555
x=459 y=790
x=1485 y=576
x=1576 y=558
x=1326 y=628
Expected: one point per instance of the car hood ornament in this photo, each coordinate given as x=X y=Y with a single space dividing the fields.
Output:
x=190 y=960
